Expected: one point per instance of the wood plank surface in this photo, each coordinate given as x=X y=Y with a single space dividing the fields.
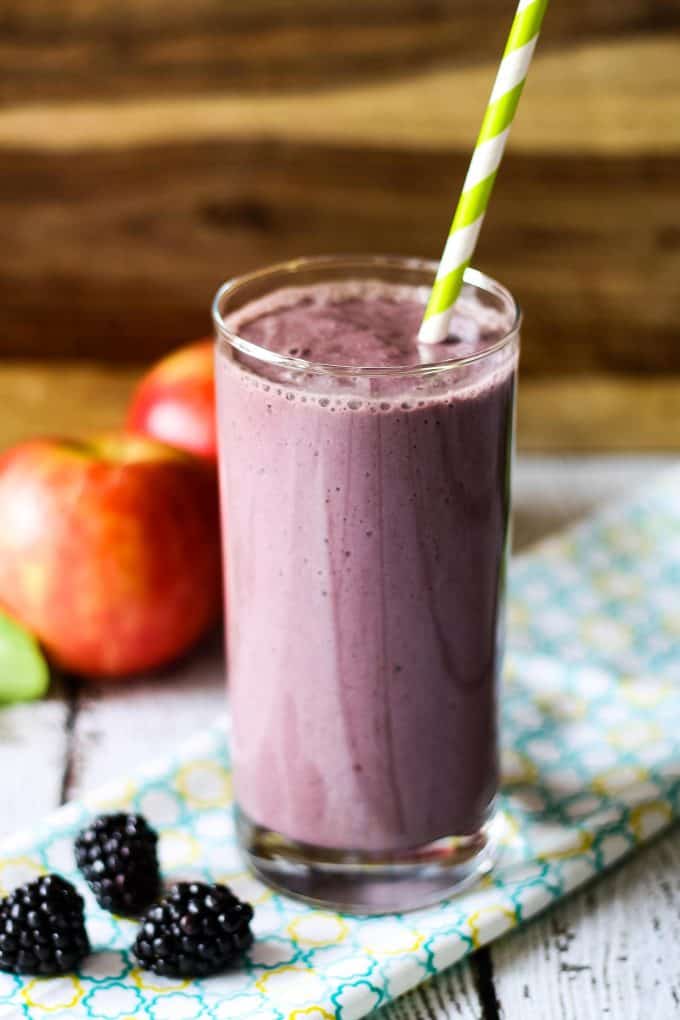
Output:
x=62 y=399
x=554 y=414
x=605 y=953
x=622 y=98
x=454 y=994
x=34 y=742
x=599 y=413
x=148 y=718
x=71 y=48
x=149 y=150
x=116 y=255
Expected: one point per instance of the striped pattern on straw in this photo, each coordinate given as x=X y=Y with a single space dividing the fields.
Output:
x=481 y=174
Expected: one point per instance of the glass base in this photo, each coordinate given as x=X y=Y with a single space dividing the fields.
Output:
x=363 y=882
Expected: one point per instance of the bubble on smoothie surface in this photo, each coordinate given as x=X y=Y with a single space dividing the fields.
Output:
x=365 y=323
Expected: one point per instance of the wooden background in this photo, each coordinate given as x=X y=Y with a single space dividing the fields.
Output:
x=151 y=148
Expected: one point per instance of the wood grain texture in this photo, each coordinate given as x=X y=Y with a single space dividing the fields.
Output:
x=71 y=48
x=605 y=952
x=33 y=758
x=192 y=696
x=116 y=255
x=149 y=150
x=622 y=98
x=453 y=994
x=62 y=399
x=554 y=414
x=599 y=413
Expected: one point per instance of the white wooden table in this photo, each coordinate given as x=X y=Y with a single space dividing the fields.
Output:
x=610 y=951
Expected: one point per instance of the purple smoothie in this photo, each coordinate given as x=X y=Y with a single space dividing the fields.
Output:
x=366 y=524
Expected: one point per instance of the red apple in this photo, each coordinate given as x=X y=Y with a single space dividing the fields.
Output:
x=175 y=401
x=109 y=550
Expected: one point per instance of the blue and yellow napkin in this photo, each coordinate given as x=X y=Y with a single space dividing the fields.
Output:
x=591 y=737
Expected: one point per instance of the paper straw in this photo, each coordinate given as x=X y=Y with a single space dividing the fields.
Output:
x=481 y=174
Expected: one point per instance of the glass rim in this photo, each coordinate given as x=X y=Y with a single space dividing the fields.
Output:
x=226 y=337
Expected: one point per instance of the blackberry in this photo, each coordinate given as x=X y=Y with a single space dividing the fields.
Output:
x=195 y=930
x=117 y=855
x=42 y=930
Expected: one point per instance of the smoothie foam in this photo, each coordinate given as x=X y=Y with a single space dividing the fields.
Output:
x=362 y=323
x=363 y=645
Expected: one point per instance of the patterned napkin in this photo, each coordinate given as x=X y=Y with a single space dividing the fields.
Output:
x=591 y=734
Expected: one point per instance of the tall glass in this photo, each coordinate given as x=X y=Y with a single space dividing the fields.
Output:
x=365 y=520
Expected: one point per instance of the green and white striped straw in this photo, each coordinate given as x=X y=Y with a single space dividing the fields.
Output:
x=481 y=174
